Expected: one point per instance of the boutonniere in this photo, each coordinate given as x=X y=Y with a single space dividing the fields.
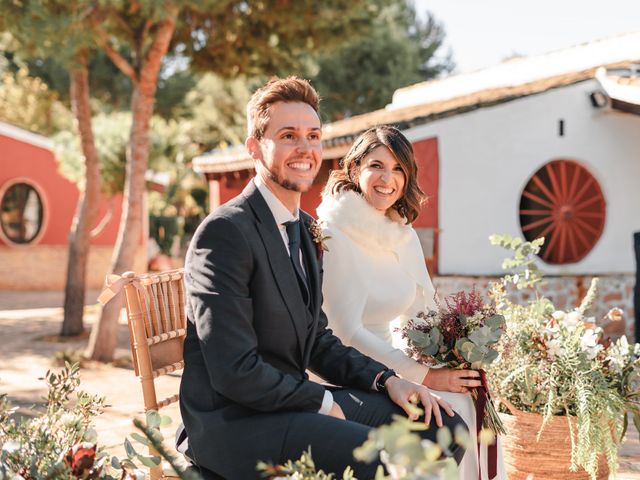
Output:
x=318 y=238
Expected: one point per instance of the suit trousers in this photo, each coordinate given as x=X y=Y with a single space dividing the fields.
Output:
x=332 y=441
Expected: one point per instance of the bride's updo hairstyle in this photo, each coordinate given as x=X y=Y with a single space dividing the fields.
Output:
x=347 y=177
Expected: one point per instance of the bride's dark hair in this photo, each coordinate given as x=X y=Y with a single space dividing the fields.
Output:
x=346 y=178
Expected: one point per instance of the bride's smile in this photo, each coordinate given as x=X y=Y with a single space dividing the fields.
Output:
x=381 y=179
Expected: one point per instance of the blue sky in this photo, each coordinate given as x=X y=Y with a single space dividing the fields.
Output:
x=484 y=32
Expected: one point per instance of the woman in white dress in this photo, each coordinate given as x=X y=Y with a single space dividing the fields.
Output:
x=375 y=277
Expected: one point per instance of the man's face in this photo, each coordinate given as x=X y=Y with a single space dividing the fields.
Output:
x=289 y=154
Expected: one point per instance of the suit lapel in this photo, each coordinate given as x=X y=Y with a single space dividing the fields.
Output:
x=280 y=263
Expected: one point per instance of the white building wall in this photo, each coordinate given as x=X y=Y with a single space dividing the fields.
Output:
x=487 y=156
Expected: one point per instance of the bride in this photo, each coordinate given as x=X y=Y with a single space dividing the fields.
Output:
x=375 y=276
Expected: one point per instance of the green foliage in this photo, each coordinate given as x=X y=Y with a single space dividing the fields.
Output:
x=399 y=50
x=213 y=111
x=152 y=438
x=62 y=357
x=111 y=134
x=428 y=342
x=163 y=229
x=28 y=103
x=302 y=469
x=58 y=443
x=556 y=363
x=273 y=38
x=523 y=262
x=408 y=457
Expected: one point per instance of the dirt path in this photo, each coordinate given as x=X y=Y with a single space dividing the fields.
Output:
x=26 y=353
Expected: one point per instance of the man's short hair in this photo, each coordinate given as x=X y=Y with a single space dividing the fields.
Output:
x=290 y=89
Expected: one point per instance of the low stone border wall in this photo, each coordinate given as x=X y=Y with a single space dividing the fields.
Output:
x=565 y=292
x=44 y=267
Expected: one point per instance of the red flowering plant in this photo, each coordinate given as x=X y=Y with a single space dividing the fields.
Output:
x=461 y=334
x=59 y=442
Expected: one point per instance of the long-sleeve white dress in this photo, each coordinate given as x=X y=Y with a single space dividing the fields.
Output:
x=375 y=279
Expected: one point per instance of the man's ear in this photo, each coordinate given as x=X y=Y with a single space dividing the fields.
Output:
x=253 y=147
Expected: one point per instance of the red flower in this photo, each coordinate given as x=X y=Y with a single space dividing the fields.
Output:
x=80 y=459
x=461 y=303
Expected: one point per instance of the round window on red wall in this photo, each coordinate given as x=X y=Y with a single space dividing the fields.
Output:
x=563 y=202
x=21 y=213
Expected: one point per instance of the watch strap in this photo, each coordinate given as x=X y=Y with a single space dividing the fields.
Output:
x=382 y=379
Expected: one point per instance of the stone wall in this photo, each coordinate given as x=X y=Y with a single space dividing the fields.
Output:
x=44 y=267
x=565 y=292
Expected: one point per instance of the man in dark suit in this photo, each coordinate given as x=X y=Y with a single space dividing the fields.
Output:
x=253 y=279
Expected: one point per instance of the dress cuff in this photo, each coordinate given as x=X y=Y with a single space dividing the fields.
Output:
x=327 y=403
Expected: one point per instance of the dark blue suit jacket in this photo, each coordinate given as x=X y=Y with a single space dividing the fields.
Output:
x=250 y=339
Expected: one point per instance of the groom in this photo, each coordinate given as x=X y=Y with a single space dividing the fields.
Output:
x=255 y=324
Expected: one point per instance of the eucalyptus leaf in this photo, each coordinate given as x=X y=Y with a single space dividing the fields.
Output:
x=130 y=451
x=139 y=438
x=90 y=436
x=495 y=321
x=149 y=461
x=444 y=438
x=153 y=419
x=427 y=342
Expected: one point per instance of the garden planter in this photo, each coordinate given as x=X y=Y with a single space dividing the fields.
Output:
x=546 y=459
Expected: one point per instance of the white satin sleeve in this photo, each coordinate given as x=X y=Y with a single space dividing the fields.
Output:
x=345 y=294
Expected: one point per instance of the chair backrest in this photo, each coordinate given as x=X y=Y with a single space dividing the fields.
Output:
x=157 y=327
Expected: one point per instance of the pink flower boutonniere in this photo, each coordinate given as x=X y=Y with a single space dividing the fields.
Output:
x=318 y=238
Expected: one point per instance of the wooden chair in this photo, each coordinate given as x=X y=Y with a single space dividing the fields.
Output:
x=155 y=305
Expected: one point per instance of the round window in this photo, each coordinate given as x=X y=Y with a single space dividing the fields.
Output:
x=564 y=203
x=21 y=213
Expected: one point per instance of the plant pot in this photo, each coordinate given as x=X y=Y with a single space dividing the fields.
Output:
x=549 y=458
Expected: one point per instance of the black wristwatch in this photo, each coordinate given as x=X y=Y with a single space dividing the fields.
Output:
x=382 y=379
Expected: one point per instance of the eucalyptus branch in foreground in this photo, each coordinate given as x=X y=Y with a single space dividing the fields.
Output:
x=155 y=440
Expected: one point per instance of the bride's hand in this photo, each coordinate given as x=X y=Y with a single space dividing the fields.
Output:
x=451 y=380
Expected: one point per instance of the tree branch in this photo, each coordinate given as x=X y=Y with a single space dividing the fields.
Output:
x=145 y=30
x=125 y=26
x=161 y=40
x=113 y=54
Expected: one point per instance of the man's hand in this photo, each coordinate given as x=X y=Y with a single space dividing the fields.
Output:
x=402 y=392
x=452 y=380
x=336 y=411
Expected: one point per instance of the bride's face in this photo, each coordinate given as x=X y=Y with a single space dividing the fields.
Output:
x=381 y=179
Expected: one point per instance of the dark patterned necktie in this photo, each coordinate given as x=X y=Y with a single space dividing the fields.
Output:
x=293 y=232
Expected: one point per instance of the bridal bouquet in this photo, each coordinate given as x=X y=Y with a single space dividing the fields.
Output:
x=460 y=334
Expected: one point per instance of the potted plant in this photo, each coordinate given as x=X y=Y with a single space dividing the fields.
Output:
x=565 y=390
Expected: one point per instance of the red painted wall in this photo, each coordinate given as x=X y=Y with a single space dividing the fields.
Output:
x=426 y=152
x=37 y=165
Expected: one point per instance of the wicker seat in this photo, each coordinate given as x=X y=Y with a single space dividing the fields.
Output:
x=157 y=327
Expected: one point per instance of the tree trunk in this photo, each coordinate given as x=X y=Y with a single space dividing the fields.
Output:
x=87 y=209
x=103 y=340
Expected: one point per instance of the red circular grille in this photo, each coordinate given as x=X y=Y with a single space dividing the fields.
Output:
x=564 y=203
